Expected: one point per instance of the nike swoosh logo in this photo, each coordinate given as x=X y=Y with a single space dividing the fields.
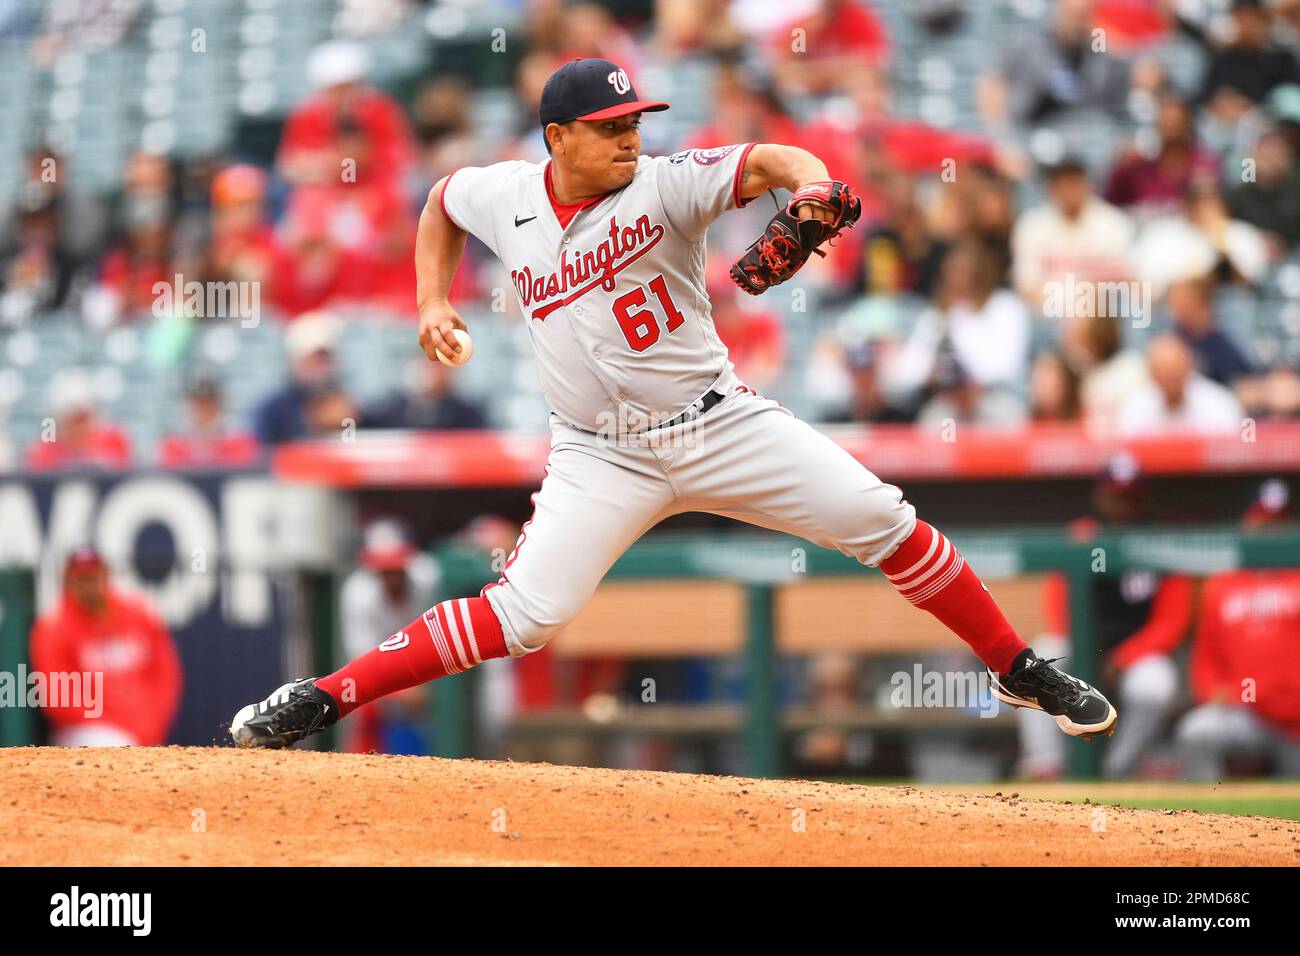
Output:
x=520 y=222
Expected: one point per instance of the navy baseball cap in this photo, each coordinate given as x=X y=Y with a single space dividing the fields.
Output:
x=590 y=89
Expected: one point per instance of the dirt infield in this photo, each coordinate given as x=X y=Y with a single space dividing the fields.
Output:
x=195 y=806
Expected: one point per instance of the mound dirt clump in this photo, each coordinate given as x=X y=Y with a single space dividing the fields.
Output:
x=177 y=806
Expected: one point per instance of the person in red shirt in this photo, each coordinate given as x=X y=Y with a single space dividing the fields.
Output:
x=391 y=274
x=313 y=268
x=1245 y=667
x=76 y=437
x=125 y=648
x=348 y=152
x=134 y=267
x=207 y=442
x=141 y=255
x=243 y=242
x=842 y=37
x=344 y=121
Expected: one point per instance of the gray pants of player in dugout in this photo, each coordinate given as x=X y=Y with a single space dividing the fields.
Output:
x=747 y=458
x=1211 y=733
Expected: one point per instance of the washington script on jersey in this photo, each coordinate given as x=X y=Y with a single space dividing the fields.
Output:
x=623 y=247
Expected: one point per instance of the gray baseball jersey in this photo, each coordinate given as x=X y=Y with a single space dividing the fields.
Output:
x=615 y=302
x=619 y=320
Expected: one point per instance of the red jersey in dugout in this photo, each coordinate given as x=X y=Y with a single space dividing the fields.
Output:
x=130 y=646
x=1250 y=631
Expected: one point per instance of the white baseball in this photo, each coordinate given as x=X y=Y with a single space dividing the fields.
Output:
x=466 y=349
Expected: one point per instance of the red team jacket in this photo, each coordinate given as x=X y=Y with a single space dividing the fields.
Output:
x=1250 y=628
x=130 y=645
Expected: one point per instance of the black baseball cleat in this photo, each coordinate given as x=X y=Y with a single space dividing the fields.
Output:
x=297 y=710
x=1079 y=710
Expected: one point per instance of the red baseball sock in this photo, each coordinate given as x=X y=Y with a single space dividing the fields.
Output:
x=446 y=639
x=930 y=573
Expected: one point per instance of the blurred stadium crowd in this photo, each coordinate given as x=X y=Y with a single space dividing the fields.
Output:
x=1010 y=154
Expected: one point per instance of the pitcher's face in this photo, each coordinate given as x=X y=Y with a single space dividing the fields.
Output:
x=600 y=154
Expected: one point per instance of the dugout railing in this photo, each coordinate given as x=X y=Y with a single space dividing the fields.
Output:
x=763 y=565
x=16 y=616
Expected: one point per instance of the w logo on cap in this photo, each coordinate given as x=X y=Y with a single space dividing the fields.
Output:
x=618 y=79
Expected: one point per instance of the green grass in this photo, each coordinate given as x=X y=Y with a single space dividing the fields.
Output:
x=1279 y=799
x=1285 y=808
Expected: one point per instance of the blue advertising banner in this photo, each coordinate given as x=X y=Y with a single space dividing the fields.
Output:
x=213 y=552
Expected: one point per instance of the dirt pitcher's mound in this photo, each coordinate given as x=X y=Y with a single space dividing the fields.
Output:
x=174 y=805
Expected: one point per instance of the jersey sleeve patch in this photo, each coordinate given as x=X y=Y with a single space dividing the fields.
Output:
x=707 y=157
x=698 y=185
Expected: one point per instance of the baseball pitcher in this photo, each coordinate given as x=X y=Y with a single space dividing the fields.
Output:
x=606 y=252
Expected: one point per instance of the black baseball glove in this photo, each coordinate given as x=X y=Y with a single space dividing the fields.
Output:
x=788 y=241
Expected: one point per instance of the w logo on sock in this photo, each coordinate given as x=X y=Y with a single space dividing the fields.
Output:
x=396 y=642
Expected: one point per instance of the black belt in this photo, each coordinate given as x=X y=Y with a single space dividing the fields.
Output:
x=694 y=410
